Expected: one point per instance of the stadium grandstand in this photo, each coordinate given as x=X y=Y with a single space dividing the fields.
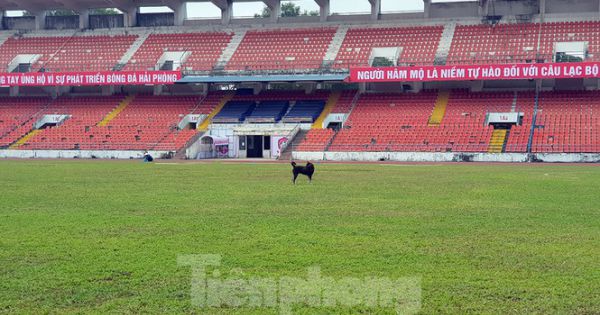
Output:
x=488 y=80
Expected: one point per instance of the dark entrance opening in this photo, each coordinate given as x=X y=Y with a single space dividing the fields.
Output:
x=254 y=147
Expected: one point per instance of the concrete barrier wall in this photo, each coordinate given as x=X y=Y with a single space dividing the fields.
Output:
x=446 y=157
x=82 y=154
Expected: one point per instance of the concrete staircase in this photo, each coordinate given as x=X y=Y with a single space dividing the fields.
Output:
x=513 y=108
x=287 y=153
x=204 y=125
x=445 y=42
x=228 y=52
x=336 y=44
x=440 y=109
x=498 y=140
x=24 y=139
x=115 y=112
x=334 y=97
x=132 y=49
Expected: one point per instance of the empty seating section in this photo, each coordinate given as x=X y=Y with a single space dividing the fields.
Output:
x=303 y=108
x=568 y=122
x=304 y=111
x=234 y=112
x=344 y=104
x=500 y=43
x=17 y=116
x=463 y=127
x=519 y=135
x=384 y=122
x=45 y=47
x=89 y=53
x=76 y=53
x=149 y=122
x=316 y=140
x=570 y=32
x=418 y=45
x=209 y=103
x=78 y=131
x=205 y=49
x=399 y=122
x=269 y=111
x=282 y=49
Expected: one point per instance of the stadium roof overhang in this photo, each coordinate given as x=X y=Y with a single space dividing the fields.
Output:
x=264 y=78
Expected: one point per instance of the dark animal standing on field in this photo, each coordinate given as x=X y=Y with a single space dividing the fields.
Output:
x=307 y=170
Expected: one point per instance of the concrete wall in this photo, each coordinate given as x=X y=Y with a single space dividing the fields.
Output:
x=446 y=157
x=18 y=23
x=514 y=7
x=155 y=19
x=82 y=154
x=450 y=10
x=62 y=22
x=107 y=21
x=571 y=6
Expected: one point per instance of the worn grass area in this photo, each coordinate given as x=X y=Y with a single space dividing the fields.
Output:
x=104 y=236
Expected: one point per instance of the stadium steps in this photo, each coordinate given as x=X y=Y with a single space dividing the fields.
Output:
x=336 y=44
x=498 y=140
x=115 y=112
x=443 y=50
x=513 y=107
x=5 y=36
x=287 y=153
x=228 y=52
x=330 y=142
x=24 y=139
x=204 y=126
x=133 y=49
x=334 y=97
x=440 y=109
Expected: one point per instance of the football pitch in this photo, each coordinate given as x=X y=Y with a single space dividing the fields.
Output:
x=121 y=236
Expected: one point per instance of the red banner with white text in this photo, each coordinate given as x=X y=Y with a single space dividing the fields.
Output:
x=477 y=72
x=89 y=78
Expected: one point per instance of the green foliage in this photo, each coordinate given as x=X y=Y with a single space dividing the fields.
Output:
x=104 y=11
x=382 y=62
x=288 y=9
x=98 y=237
x=565 y=57
x=61 y=13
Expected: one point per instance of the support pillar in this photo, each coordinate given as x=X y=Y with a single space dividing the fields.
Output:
x=375 y=9
x=543 y=10
x=108 y=90
x=274 y=9
x=180 y=11
x=426 y=9
x=158 y=90
x=84 y=19
x=13 y=91
x=40 y=20
x=324 y=10
x=130 y=17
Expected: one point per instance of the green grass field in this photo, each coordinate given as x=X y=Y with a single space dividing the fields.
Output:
x=105 y=236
